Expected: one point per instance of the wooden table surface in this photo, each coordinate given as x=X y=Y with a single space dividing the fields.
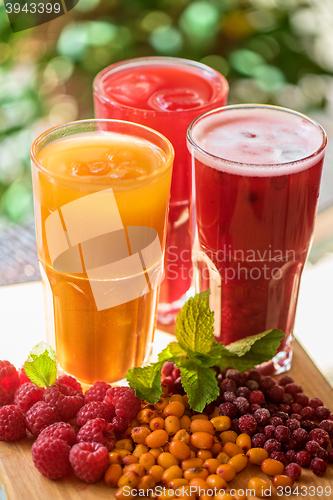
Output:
x=21 y=481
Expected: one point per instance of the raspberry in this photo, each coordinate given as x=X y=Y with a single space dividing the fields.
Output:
x=322 y=413
x=97 y=430
x=120 y=424
x=272 y=445
x=327 y=425
x=64 y=399
x=9 y=382
x=39 y=416
x=124 y=400
x=303 y=458
x=89 y=461
x=228 y=385
x=315 y=403
x=294 y=471
x=227 y=409
x=247 y=424
x=282 y=433
x=321 y=436
x=285 y=379
x=258 y=440
x=262 y=416
x=12 y=427
x=23 y=376
x=59 y=430
x=318 y=466
x=27 y=395
x=51 y=457
x=70 y=382
x=95 y=409
x=96 y=392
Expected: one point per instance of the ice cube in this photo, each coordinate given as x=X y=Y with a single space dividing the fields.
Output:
x=131 y=88
x=178 y=99
x=88 y=168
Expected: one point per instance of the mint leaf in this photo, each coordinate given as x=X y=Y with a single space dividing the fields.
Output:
x=199 y=384
x=195 y=325
x=41 y=368
x=39 y=349
x=172 y=351
x=246 y=353
x=146 y=381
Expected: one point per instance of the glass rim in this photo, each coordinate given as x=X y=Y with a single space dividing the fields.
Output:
x=167 y=60
x=170 y=153
x=230 y=107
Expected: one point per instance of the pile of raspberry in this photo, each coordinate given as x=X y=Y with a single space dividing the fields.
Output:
x=74 y=431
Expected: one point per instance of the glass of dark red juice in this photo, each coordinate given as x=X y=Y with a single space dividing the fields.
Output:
x=256 y=176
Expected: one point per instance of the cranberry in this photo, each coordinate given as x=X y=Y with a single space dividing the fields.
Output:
x=235 y=425
x=300 y=436
x=291 y=455
x=285 y=379
x=243 y=391
x=301 y=399
x=293 y=471
x=229 y=396
x=321 y=453
x=269 y=431
x=279 y=455
x=252 y=385
x=282 y=433
x=262 y=416
x=272 y=445
x=312 y=447
x=282 y=415
x=292 y=424
x=235 y=375
x=267 y=383
x=290 y=444
x=293 y=389
x=254 y=375
x=254 y=407
x=288 y=399
x=256 y=397
x=272 y=408
x=303 y=458
x=330 y=456
x=318 y=466
x=322 y=413
x=248 y=424
x=308 y=425
x=208 y=409
x=258 y=440
x=228 y=385
x=242 y=405
x=284 y=409
x=296 y=416
x=315 y=403
x=327 y=425
x=307 y=413
x=224 y=371
x=296 y=408
x=276 y=393
x=276 y=421
x=322 y=437
x=227 y=409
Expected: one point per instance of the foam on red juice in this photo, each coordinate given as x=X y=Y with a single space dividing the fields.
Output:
x=256 y=199
x=165 y=94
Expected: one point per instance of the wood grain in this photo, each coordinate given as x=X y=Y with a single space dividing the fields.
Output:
x=21 y=481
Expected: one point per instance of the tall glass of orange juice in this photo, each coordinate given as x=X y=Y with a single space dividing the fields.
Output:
x=101 y=193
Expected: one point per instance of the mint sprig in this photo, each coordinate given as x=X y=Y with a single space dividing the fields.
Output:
x=197 y=351
x=41 y=366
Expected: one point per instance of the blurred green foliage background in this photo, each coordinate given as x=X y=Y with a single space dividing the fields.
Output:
x=271 y=51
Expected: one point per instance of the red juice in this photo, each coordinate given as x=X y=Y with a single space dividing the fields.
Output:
x=165 y=94
x=256 y=176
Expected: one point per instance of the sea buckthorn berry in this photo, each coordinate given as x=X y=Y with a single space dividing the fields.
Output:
x=244 y=442
x=215 y=481
x=156 y=451
x=175 y=408
x=239 y=495
x=257 y=455
x=211 y=465
x=129 y=459
x=144 y=416
x=202 y=440
x=139 y=434
x=166 y=460
x=227 y=471
x=146 y=483
x=185 y=422
x=122 y=452
x=201 y=425
x=147 y=460
x=113 y=474
x=281 y=481
x=223 y=457
x=123 y=494
x=157 y=438
x=260 y=487
x=115 y=457
x=124 y=444
x=171 y=473
x=176 y=397
x=172 y=424
x=161 y=404
x=190 y=463
x=204 y=454
x=139 y=449
x=182 y=435
x=195 y=472
x=228 y=437
x=179 y=449
x=199 y=416
x=137 y=468
x=156 y=423
x=272 y=467
x=214 y=414
x=221 y=423
x=238 y=462
x=199 y=485
x=216 y=448
x=166 y=494
x=179 y=482
x=231 y=449
x=156 y=472
x=129 y=478
x=223 y=495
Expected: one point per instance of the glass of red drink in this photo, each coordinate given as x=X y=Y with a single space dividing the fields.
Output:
x=166 y=94
x=256 y=175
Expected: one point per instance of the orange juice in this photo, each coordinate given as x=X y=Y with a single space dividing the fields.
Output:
x=101 y=199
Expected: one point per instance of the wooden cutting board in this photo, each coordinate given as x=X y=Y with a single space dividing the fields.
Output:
x=19 y=479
